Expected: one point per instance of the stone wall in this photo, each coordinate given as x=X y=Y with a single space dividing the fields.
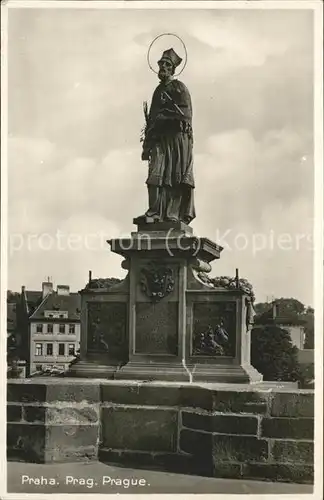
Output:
x=52 y=421
x=221 y=431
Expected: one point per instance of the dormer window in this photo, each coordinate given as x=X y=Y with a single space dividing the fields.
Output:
x=56 y=314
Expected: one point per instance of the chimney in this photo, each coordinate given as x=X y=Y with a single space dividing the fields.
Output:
x=63 y=290
x=23 y=288
x=275 y=310
x=47 y=288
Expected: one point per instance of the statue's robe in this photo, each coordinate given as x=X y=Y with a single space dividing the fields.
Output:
x=169 y=143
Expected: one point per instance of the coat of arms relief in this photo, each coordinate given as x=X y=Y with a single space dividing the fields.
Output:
x=157 y=280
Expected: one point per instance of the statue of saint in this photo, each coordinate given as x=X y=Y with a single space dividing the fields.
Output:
x=167 y=146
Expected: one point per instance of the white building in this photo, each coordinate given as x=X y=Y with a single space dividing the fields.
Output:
x=289 y=322
x=54 y=328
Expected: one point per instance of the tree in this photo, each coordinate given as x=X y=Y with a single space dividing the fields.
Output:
x=288 y=307
x=291 y=306
x=12 y=296
x=273 y=354
x=13 y=370
x=294 y=310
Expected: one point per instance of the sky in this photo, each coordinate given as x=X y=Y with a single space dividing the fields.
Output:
x=77 y=81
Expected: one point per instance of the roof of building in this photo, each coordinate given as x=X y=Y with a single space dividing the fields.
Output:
x=54 y=301
x=11 y=316
x=34 y=299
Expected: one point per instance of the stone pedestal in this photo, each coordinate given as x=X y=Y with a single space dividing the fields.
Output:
x=161 y=322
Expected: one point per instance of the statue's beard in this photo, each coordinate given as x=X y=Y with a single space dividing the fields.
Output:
x=163 y=75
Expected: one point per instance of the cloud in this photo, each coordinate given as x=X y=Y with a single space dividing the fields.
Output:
x=77 y=80
x=41 y=195
x=90 y=78
x=249 y=175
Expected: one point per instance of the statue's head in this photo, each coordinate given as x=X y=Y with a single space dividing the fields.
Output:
x=168 y=64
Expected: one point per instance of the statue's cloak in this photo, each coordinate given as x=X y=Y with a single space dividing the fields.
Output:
x=169 y=137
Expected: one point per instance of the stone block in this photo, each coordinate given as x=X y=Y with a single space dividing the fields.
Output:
x=292 y=451
x=14 y=413
x=239 y=448
x=61 y=415
x=240 y=402
x=83 y=454
x=63 y=437
x=21 y=392
x=279 y=472
x=35 y=414
x=288 y=428
x=74 y=391
x=292 y=405
x=226 y=424
x=159 y=395
x=26 y=442
x=54 y=390
x=141 y=395
x=43 y=444
x=166 y=227
x=139 y=429
x=196 y=397
x=72 y=415
x=196 y=443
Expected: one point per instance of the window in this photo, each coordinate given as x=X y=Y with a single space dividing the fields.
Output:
x=71 y=350
x=49 y=349
x=61 y=350
x=39 y=328
x=71 y=328
x=49 y=328
x=62 y=328
x=38 y=349
x=39 y=368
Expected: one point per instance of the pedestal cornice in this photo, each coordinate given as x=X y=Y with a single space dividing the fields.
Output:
x=179 y=246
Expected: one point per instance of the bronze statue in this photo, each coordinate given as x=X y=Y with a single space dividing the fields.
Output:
x=167 y=146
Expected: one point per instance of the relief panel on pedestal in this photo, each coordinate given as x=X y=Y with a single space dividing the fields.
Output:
x=156 y=327
x=107 y=328
x=214 y=329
